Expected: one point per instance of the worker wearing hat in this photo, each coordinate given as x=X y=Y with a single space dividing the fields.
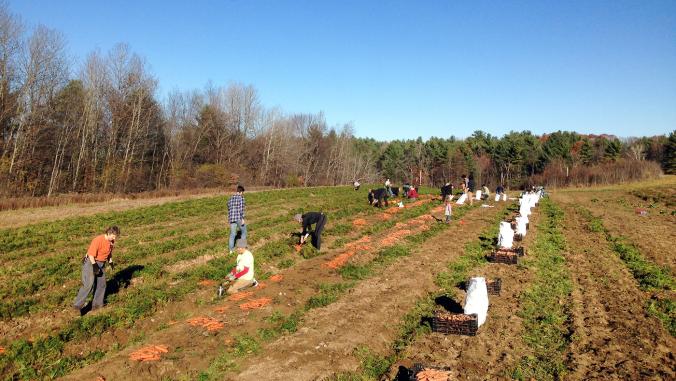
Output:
x=307 y=220
x=242 y=275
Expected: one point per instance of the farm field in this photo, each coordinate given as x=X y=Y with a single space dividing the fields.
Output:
x=593 y=298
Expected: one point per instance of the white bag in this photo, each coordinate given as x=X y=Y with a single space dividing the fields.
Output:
x=401 y=204
x=476 y=301
x=521 y=225
x=462 y=199
x=504 y=197
x=506 y=235
x=497 y=197
x=478 y=195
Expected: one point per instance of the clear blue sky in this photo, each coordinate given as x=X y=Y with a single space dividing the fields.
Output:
x=402 y=69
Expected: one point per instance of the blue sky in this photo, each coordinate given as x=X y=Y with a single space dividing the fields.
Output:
x=403 y=69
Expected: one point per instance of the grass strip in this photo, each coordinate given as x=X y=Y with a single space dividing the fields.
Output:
x=544 y=306
x=373 y=366
x=650 y=276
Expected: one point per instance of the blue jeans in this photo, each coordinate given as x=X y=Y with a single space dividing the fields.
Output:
x=88 y=283
x=233 y=233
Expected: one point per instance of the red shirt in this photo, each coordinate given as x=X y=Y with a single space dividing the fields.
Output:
x=100 y=248
x=412 y=193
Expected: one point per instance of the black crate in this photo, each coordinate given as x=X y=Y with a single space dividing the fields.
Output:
x=417 y=368
x=504 y=257
x=456 y=327
x=493 y=286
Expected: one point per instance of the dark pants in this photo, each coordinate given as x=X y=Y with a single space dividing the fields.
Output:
x=89 y=282
x=317 y=236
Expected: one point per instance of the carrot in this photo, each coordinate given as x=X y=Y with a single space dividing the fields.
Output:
x=240 y=295
x=149 y=353
x=254 y=304
x=276 y=278
x=206 y=322
x=2 y=350
x=207 y=282
x=359 y=222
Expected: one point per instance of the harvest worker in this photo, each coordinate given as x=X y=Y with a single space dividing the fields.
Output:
x=471 y=188
x=100 y=251
x=242 y=275
x=412 y=194
x=378 y=196
x=388 y=187
x=485 y=192
x=307 y=219
x=356 y=185
x=446 y=190
x=236 y=206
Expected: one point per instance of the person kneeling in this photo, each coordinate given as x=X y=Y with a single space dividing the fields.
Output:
x=242 y=276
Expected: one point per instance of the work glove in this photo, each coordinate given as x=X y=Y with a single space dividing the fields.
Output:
x=231 y=277
x=111 y=263
x=97 y=269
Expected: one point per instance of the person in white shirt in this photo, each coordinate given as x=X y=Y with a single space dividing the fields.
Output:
x=356 y=185
x=242 y=275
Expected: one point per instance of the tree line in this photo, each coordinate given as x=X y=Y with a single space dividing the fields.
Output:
x=100 y=127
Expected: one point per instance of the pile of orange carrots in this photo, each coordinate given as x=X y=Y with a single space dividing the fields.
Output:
x=2 y=350
x=254 y=304
x=207 y=282
x=210 y=324
x=149 y=353
x=276 y=278
x=340 y=260
x=240 y=295
x=359 y=222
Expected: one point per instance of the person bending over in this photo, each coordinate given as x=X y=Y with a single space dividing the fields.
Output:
x=307 y=220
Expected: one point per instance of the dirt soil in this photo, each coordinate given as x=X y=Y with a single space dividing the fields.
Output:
x=497 y=347
x=369 y=315
x=654 y=233
x=191 y=349
x=21 y=217
x=613 y=337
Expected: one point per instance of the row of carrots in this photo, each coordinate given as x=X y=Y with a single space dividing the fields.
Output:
x=149 y=353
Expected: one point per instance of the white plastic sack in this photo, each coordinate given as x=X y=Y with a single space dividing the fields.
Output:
x=521 y=225
x=476 y=301
x=401 y=204
x=462 y=199
x=497 y=197
x=504 y=197
x=478 y=195
x=506 y=235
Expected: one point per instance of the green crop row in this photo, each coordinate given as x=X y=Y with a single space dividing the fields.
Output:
x=650 y=276
x=127 y=307
x=544 y=306
x=373 y=366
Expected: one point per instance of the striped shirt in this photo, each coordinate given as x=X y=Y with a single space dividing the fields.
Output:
x=236 y=207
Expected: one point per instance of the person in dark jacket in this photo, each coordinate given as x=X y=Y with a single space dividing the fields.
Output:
x=446 y=190
x=307 y=220
x=378 y=196
x=471 y=189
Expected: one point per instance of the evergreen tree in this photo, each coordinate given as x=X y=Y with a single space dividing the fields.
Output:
x=669 y=161
x=587 y=153
x=612 y=151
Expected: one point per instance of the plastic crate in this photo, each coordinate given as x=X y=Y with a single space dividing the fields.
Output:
x=493 y=286
x=466 y=326
x=417 y=368
x=504 y=257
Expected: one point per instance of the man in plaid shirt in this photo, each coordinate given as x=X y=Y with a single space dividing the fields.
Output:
x=236 y=206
